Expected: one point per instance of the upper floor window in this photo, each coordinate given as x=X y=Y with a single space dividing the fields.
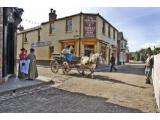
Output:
x=39 y=36
x=25 y=37
x=68 y=24
x=52 y=28
x=109 y=31
x=103 y=28
x=114 y=34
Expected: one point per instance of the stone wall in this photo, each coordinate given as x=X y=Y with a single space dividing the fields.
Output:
x=1 y=41
x=156 y=79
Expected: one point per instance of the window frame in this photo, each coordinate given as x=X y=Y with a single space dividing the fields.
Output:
x=50 y=28
x=67 y=26
x=39 y=36
x=114 y=34
x=103 y=27
x=109 y=31
x=25 y=38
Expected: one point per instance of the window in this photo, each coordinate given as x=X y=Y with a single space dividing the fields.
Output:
x=38 y=35
x=25 y=38
x=69 y=25
x=114 y=35
x=103 y=28
x=51 y=51
x=88 y=49
x=109 y=31
x=52 y=28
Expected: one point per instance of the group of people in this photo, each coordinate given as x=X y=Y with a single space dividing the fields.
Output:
x=27 y=65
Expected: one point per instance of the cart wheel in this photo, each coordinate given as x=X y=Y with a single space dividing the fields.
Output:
x=54 y=66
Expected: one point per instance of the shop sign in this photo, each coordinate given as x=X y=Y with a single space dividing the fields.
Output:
x=89 y=28
x=41 y=44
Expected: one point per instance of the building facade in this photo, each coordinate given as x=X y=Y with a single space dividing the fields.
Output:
x=123 y=52
x=85 y=32
x=10 y=17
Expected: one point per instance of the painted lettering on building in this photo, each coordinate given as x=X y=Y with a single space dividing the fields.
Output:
x=89 y=26
x=41 y=44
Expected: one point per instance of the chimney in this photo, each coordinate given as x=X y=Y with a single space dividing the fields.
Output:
x=52 y=15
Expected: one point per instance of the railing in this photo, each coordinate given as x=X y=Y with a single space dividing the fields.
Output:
x=156 y=79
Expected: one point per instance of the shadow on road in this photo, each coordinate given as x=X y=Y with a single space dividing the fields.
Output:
x=106 y=78
x=55 y=100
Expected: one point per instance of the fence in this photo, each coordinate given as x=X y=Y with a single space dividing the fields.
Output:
x=156 y=79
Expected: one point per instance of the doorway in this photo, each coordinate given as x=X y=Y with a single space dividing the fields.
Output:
x=88 y=49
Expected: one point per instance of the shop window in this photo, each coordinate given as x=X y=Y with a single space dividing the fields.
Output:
x=103 y=51
x=88 y=49
x=52 y=28
x=68 y=24
x=109 y=31
x=103 y=28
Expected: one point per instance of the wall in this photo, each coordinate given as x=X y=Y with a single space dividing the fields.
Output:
x=60 y=33
x=19 y=44
x=156 y=79
x=105 y=37
x=1 y=41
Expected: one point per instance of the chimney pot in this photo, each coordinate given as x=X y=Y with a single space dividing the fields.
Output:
x=52 y=15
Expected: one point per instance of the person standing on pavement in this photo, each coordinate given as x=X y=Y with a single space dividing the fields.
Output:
x=32 y=72
x=148 y=67
x=22 y=58
x=112 y=61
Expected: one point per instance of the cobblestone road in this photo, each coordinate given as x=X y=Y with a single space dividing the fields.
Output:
x=49 y=99
x=123 y=91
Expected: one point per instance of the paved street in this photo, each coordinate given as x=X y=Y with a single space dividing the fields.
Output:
x=122 y=91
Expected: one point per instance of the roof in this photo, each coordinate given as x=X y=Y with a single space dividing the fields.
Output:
x=30 y=29
x=96 y=14
x=39 y=27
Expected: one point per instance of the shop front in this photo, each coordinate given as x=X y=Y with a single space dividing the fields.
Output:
x=104 y=51
x=73 y=44
x=88 y=46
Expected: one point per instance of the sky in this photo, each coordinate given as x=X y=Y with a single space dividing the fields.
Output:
x=140 y=25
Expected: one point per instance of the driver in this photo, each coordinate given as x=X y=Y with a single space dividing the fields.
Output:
x=67 y=53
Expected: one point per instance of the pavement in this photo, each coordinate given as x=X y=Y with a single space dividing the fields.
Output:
x=14 y=83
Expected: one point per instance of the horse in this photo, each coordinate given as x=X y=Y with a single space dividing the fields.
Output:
x=89 y=63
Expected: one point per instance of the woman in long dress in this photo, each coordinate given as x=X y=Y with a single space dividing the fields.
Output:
x=22 y=57
x=32 y=73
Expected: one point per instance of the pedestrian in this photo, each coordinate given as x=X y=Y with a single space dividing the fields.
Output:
x=148 y=67
x=112 y=61
x=22 y=58
x=32 y=72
